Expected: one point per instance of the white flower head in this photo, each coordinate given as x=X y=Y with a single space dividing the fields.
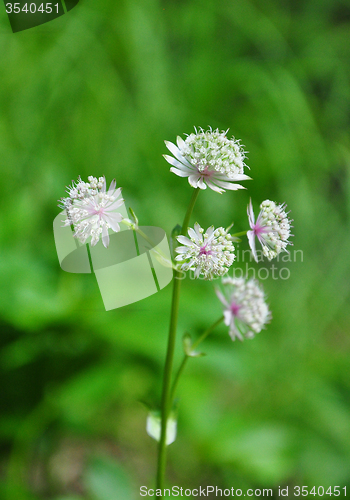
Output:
x=209 y=253
x=92 y=210
x=245 y=310
x=272 y=228
x=208 y=158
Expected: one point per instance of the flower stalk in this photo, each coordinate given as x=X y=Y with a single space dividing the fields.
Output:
x=242 y=233
x=166 y=392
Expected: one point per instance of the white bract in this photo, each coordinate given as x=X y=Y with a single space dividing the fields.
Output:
x=245 y=310
x=209 y=253
x=272 y=228
x=208 y=158
x=92 y=210
x=153 y=427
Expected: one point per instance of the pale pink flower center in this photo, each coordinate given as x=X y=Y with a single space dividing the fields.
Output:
x=258 y=229
x=204 y=251
x=100 y=212
x=234 y=308
x=206 y=172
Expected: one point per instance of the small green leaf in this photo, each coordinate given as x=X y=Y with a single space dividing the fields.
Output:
x=176 y=231
x=133 y=215
x=187 y=343
x=187 y=347
x=146 y=404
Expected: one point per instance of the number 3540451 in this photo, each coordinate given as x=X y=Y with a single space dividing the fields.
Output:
x=31 y=8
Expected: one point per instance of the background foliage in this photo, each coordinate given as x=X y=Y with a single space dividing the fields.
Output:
x=96 y=92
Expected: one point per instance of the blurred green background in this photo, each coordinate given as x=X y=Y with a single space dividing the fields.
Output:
x=96 y=92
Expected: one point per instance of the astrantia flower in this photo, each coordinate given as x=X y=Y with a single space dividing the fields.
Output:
x=207 y=253
x=272 y=228
x=245 y=310
x=208 y=159
x=92 y=210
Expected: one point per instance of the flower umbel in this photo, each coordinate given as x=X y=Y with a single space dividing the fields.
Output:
x=208 y=158
x=209 y=253
x=272 y=228
x=245 y=310
x=92 y=210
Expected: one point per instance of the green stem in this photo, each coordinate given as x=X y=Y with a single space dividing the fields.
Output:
x=189 y=211
x=177 y=378
x=207 y=332
x=184 y=361
x=166 y=401
x=242 y=233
